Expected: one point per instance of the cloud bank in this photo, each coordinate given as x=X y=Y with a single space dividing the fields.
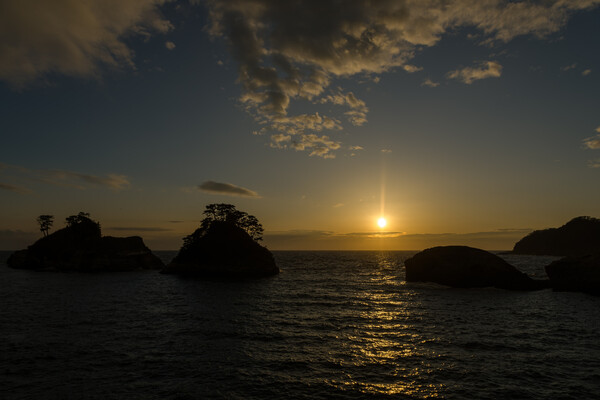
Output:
x=291 y=51
x=226 y=189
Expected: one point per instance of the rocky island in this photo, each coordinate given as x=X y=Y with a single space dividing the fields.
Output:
x=81 y=247
x=467 y=267
x=575 y=274
x=224 y=247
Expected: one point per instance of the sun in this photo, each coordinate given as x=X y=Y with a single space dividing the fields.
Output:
x=381 y=222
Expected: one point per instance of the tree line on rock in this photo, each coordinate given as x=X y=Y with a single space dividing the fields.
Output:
x=46 y=222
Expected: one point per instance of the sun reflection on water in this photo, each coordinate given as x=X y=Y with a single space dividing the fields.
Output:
x=386 y=346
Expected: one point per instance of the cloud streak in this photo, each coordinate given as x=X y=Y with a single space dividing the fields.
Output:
x=15 y=189
x=63 y=178
x=226 y=189
x=138 y=229
x=328 y=240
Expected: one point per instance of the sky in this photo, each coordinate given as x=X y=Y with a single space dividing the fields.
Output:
x=467 y=122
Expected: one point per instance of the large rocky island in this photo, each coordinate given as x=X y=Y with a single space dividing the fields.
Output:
x=224 y=247
x=467 y=267
x=578 y=237
x=81 y=247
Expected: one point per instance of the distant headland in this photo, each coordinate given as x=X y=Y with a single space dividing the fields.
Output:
x=580 y=236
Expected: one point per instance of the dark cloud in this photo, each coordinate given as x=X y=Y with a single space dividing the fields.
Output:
x=288 y=50
x=226 y=189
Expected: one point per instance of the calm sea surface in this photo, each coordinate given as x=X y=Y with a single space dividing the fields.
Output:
x=331 y=325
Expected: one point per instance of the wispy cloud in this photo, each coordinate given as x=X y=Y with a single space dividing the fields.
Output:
x=170 y=45
x=411 y=68
x=594 y=163
x=74 y=38
x=569 y=67
x=586 y=72
x=429 y=83
x=487 y=69
x=593 y=142
x=226 y=189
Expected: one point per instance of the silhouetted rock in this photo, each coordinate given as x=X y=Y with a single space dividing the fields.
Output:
x=81 y=247
x=580 y=236
x=467 y=267
x=575 y=274
x=223 y=250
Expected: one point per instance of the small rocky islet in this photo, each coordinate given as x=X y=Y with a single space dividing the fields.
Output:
x=81 y=247
x=224 y=247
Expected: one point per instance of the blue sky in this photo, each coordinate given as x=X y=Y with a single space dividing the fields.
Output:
x=462 y=122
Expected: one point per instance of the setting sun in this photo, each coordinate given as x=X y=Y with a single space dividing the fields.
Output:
x=381 y=222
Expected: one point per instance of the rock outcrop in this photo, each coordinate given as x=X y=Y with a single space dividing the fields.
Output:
x=223 y=251
x=578 y=237
x=575 y=274
x=467 y=267
x=81 y=247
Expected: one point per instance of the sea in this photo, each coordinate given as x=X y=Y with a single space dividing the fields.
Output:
x=331 y=325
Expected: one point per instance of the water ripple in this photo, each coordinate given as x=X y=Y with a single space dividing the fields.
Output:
x=339 y=325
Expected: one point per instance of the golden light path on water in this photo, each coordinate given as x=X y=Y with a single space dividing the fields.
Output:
x=388 y=341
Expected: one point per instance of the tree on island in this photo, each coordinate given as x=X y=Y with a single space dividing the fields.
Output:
x=45 y=222
x=227 y=213
x=225 y=246
x=83 y=223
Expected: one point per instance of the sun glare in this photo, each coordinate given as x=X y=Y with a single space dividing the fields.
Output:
x=381 y=222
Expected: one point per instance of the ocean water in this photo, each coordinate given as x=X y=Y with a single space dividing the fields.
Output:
x=339 y=325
